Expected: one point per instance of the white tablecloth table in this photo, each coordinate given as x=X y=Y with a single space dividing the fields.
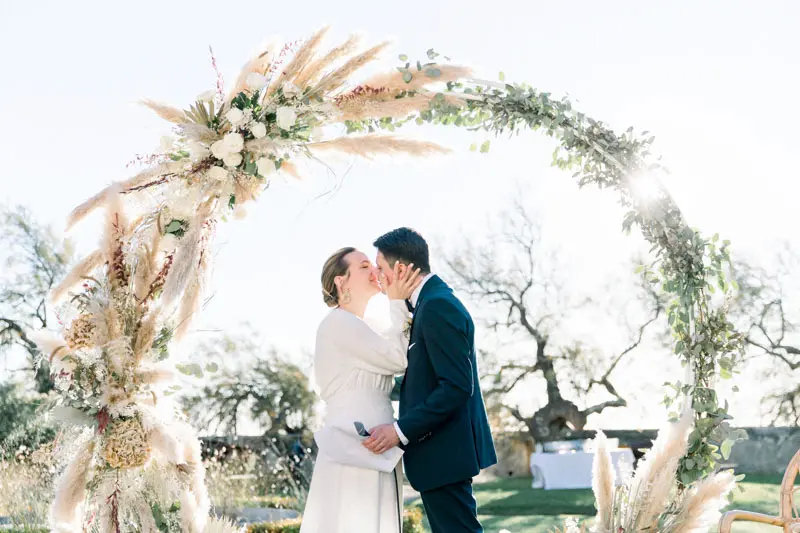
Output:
x=573 y=470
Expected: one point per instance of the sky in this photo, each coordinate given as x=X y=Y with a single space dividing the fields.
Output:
x=715 y=82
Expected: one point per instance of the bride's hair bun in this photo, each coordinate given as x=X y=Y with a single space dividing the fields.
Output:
x=329 y=299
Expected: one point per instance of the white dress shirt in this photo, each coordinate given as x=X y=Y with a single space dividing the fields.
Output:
x=414 y=298
x=415 y=295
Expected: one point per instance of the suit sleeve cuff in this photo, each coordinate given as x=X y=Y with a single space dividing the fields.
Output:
x=400 y=435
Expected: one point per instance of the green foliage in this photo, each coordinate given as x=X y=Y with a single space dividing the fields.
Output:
x=176 y=227
x=36 y=432
x=244 y=101
x=161 y=343
x=167 y=519
x=21 y=426
x=33 y=261
x=412 y=523
x=191 y=369
x=27 y=480
x=15 y=410
x=284 y=526
x=270 y=478
x=274 y=391
x=180 y=154
x=271 y=501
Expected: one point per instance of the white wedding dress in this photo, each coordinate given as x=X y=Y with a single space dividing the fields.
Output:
x=354 y=367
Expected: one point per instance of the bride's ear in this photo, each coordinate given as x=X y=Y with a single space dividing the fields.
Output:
x=338 y=280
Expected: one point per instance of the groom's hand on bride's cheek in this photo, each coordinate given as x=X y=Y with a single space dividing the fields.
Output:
x=382 y=438
x=384 y=281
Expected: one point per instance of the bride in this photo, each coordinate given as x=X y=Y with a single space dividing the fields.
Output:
x=353 y=490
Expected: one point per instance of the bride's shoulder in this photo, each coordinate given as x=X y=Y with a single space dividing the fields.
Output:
x=334 y=317
x=332 y=327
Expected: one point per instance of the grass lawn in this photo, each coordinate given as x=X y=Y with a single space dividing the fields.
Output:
x=512 y=504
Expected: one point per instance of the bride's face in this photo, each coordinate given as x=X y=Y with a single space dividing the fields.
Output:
x=362 y=276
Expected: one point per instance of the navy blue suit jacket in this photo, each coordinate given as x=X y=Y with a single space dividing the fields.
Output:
x=442 y=413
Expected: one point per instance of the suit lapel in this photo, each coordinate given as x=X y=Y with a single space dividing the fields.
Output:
x=431 y=286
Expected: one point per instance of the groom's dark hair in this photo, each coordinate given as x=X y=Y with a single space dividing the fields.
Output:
x=404 y=245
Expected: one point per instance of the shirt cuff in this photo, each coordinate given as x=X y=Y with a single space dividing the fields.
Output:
x=402 y=437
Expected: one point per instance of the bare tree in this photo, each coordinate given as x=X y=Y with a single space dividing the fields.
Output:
x=35 y=260
x=521 y=285
x=767 y=309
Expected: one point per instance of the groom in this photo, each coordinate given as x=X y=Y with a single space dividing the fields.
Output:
x=443 y=426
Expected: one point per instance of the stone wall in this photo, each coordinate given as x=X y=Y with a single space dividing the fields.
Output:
x=767 y=451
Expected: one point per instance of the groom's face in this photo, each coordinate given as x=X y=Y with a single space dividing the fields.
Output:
x=386 y=269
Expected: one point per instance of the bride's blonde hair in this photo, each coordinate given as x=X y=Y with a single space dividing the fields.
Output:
x=334 y=266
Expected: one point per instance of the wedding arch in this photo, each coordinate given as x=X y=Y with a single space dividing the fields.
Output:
x=123 y=304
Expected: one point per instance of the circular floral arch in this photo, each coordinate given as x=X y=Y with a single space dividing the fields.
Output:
x=124 y=303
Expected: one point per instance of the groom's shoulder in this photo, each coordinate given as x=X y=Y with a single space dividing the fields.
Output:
x=445 y=301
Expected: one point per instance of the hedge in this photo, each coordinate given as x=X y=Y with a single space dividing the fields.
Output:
x=412 y=523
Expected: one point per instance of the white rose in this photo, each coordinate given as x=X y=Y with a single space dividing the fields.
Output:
x=217 y=173
x=235 y=116
x=206 y=96
x=248 y=116
x=219 y=149
x=256 y=81
x=291 y=90
x=258 y=130
x=265 y=166
x=232 y=160
x=317 y=134
x=197 y=151
x=234 y=142
x=286 y=117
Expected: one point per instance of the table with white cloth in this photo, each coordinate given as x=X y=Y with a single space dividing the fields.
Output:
x=573 y=470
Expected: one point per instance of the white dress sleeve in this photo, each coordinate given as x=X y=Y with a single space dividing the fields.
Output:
x=379 y=353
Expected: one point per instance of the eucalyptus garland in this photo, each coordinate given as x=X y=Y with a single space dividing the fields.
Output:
x=690 y=268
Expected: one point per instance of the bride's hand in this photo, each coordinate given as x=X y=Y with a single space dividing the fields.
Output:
x=403 y=285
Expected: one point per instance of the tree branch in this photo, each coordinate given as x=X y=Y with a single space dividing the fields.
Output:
x=23 y=337
x=526 y=370
x=772 y=350
x=619 y=402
